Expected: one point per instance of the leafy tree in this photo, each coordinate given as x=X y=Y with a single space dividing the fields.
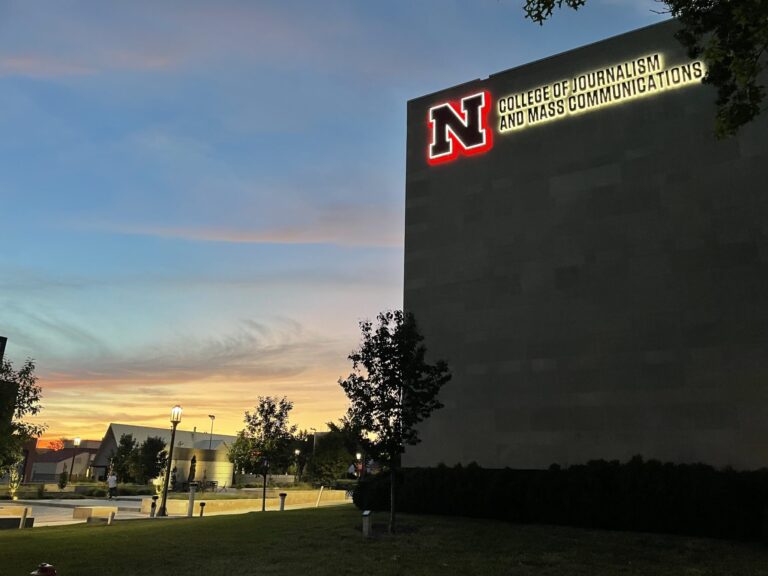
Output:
x=148 y=460
x=330 y=459
x=56 y=445
x=22 y=401
x=240 y=453
x=350 y=432
x=123 y=461
x=265 y=442
x=392 y=389
x=153 y=457
x=731 y=36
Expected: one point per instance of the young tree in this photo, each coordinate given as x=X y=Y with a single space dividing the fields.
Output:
x=392 y=388
x=731 y=36
x=264 y=444
x=148 y=460
x=22 y=401
x=124 y=457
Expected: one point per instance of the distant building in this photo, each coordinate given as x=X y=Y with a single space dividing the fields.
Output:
x=44 y=465
x=212 y=464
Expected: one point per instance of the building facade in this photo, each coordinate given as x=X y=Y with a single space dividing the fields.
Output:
x=591 y=262
x=209 y=451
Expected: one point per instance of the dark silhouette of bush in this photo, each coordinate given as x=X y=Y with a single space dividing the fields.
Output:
x=643 y=496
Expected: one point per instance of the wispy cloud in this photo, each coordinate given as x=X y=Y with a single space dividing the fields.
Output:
x=39 y=67
x=342 y=225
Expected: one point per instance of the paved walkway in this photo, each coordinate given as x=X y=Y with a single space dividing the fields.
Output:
x=58 y=512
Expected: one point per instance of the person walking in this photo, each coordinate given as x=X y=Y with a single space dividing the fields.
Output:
x=112 y=484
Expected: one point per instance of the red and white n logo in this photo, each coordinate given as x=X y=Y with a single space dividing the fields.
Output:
x=459 y=128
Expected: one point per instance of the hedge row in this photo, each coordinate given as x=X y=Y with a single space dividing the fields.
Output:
x=645 y=496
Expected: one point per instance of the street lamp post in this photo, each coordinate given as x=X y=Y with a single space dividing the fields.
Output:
x=297 y=453
x=175 y=419
x=76 y=442
x=210 y=440
x=359 y=457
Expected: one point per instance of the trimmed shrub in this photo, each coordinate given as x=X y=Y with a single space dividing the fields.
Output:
x=643 y=496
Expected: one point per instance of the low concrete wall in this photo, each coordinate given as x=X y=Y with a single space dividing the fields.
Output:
x=85 y=512
x=13 y=510
x=295 y=497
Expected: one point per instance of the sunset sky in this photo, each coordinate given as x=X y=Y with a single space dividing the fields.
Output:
x=200 y=200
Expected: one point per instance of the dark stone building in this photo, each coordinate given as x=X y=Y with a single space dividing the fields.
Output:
x=591 y=261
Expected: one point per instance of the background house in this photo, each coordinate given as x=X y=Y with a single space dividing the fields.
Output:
x=45 y=465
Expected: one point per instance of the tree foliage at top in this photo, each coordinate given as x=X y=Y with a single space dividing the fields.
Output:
x=124 y=456
x=265 y=442
x=134 y=462
x=331 y=458
x=731 y=36
x=148 y=460
x=392 y=388
x=350 y=432
x=26 y=402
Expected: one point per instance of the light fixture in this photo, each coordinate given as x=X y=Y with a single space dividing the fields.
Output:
x=176 y=414
x=175 y=419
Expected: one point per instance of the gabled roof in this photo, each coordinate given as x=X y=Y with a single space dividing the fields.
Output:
x=184 y=438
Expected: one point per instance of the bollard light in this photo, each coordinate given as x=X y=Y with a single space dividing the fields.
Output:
x=367 y=524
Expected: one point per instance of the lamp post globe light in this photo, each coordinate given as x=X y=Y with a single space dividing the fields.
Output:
x=175 y=419
x=210 y=440
x=76 y=442
x=359 y=458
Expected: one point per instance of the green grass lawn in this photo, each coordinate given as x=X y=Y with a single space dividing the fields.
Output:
x=327 y=541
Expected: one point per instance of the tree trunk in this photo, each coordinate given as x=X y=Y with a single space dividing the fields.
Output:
x=264 y=494
x=392 y=500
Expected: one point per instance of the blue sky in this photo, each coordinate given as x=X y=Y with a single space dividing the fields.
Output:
x=199 y=200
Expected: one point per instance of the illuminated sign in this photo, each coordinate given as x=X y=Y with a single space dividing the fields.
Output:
x=594 y=90
x=459 y=128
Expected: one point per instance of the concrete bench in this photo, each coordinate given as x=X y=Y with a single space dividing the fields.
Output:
x=15 y=517
x=95 y=514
